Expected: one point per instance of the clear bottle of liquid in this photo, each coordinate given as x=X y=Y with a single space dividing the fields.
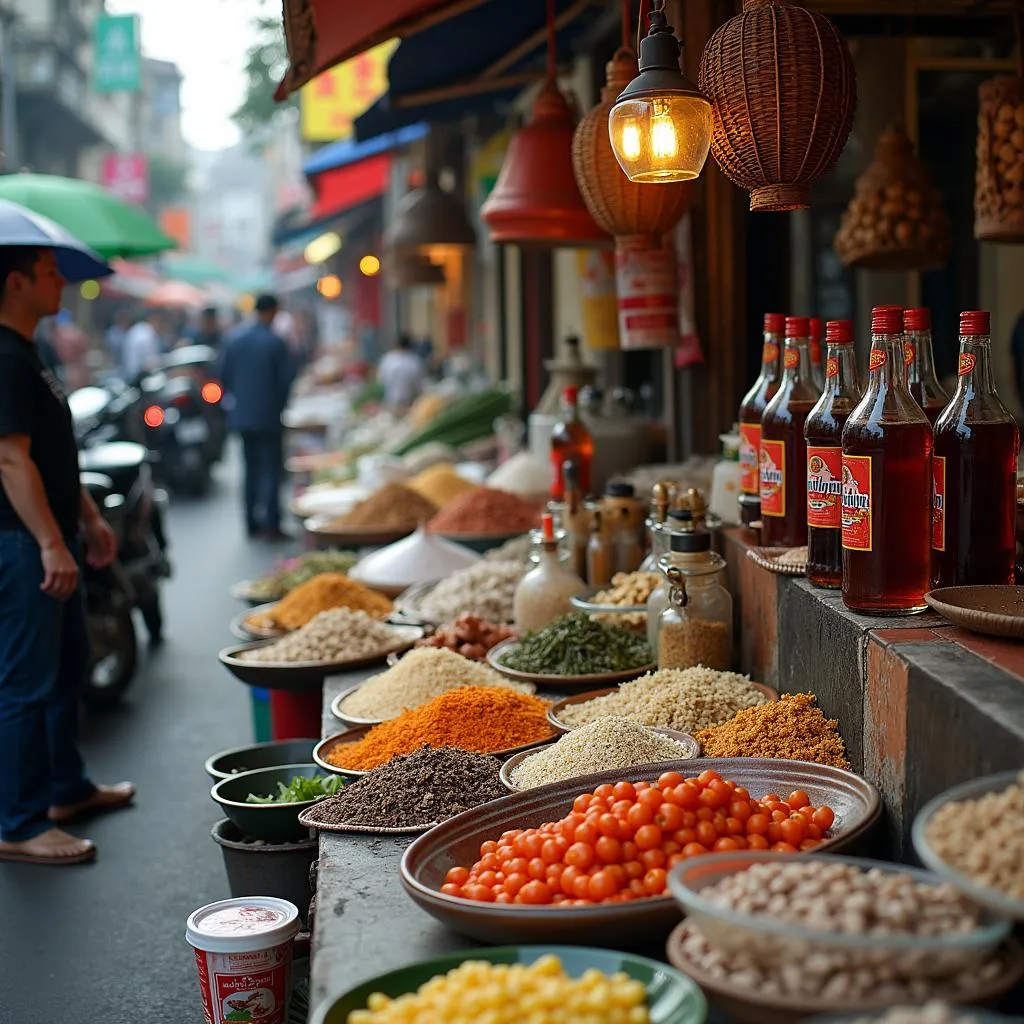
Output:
x=543 y=593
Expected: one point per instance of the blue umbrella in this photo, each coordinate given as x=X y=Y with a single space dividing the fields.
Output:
x=76 y=260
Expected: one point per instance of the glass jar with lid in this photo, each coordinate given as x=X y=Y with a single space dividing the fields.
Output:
x=696 y=627
x=678 y=520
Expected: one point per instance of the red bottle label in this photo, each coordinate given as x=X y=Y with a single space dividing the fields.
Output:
x=967 y=363
x=825 y=488
x=750 y=453
x=938 y=503
x=876 y=359
x=857 y=501
x=773 y=478
x=770 y=352
x=791 y=359
x=909 y=353
x=831 y=367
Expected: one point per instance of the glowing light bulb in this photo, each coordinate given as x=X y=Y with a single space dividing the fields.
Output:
x=630 y=147
x=664 y=144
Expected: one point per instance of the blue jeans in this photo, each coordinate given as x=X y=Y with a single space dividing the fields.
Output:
x=263 y=471
x=44 y=655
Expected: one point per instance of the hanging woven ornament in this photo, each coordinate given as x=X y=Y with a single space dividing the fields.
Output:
x=783 y=90
x=895 y=220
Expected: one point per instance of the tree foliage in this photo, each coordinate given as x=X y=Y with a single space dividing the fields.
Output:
x=265 y=65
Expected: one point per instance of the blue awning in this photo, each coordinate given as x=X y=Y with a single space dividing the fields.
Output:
x=497 y=42
x=348 y=151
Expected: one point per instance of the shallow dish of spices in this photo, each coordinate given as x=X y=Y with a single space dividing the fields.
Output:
x=255 y=625
x=495 y=654
x=323 y=531
x=993 y=610
x=429 y=863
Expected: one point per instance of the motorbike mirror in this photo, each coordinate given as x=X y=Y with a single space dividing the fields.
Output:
x=113 y=501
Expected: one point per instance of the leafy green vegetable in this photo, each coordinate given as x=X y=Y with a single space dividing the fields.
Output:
x=577 y=645
x=299 y=789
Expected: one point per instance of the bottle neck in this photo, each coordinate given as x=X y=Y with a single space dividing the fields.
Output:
x=841 y=378
x=886 y=363
x=919 y=358
x=771 y=353
x=796 y=363
x=570 y=410
x=974 y=370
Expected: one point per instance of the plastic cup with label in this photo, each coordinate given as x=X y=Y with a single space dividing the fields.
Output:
x=243 y=951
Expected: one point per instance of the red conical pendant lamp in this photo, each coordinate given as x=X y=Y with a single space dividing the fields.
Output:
x=536 y=200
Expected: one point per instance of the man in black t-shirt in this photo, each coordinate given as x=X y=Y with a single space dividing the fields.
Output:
x=44 y=645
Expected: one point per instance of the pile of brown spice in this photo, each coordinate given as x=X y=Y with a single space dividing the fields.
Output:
x=484 y=510
x=393 y=507
x=792 y=727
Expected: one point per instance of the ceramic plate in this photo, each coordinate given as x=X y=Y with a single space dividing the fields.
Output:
x=856 y=803
x=244 y=628
x=671 y=997
x=997 y=611
x=514 y=762
x=581 y=698
x=318 y=527
x=495 y=654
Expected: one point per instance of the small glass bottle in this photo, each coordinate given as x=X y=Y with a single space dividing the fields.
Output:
x=919 y=361
x=544 y=592
x=660 y=501
x=817 y=326
x=600 y=554
x=571 y=440
x=575 y=519
x=696 y=627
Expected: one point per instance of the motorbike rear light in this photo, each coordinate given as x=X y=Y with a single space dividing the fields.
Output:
x=153 y=416
x=212 y=392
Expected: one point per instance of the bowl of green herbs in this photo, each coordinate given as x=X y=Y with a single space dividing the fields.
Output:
x=265 y=803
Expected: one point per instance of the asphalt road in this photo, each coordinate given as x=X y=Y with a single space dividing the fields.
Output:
x=104 y=943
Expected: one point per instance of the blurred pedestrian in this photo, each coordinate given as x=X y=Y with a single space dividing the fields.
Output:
x=141 y=347
x=115 y=335
x=401 y=373
x=208 y=332
x=44 y=646
x=257 y=371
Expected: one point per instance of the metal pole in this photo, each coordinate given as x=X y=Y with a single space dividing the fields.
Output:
x=8 y=100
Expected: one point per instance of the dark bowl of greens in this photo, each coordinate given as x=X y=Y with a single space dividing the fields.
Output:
x=265 y=803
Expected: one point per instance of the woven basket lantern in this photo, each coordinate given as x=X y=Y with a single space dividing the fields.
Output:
x=895 y=220
x=999 y=185
x=620 y=206
x=783 y=90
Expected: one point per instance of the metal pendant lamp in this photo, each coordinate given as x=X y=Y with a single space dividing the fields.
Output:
x=536 y=200
x=411 y=269
x=429 y=216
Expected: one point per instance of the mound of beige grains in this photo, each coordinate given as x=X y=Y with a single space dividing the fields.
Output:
x=998 y=861
x=931 y=1013
x=605 y=744
x=422 y=675
x=684 y=699
x=485 y=589
x=333 y=635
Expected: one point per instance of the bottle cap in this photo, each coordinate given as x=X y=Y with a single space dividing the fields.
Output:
x=571 y=394
x=547 y=526
x=975 y=322
x=774 y=323
x=620 y=489
x=887 y=320
x=798 y=327
x=681 y=515
x=692 y=542
x=816 y=326
x=917 y=319
x=839 y=332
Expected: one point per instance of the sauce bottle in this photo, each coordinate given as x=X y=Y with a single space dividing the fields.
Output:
x=783 y=475
x=887 y=447
x=571 y=441
x=751 y=410
x=817 y=364
x=544 y=592
x=824 y=433
x=974 y=472
x=920 y=363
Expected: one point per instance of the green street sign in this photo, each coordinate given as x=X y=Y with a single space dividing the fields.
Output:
x=116 y=57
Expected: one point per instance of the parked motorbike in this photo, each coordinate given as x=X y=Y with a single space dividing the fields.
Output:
x=118 y=477
x=178 y=431
x=199 y=363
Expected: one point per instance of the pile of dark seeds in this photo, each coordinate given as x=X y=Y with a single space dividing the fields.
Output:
x=421 y=788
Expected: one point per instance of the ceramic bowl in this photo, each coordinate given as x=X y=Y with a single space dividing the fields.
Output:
x=226 y=763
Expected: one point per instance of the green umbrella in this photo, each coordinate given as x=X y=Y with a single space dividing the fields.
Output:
x=96 y=216
x=193 y=269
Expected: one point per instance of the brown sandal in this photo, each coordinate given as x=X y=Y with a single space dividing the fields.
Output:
x=49 y=860
x=109 y=798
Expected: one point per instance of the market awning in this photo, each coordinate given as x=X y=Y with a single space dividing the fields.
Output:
x=300 y=227
x=348 y=151
x=339 y=190
x=477 y=60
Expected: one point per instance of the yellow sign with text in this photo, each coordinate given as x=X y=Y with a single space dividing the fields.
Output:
x=333 y=100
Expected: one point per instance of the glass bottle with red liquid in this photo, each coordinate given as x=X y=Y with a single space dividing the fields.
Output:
x=751 y=410
x=571 y=442
x=919 y=360
x=783 y=463
x=887 y=447
x=823 y=432
x=817 y=327
x=974 y=472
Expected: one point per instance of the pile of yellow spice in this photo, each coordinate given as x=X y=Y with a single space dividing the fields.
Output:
x=320 y=594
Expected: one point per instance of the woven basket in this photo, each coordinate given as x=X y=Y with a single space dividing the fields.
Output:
x=895 y=220
x=783 y=90
x=620 y=206
x=999 y=185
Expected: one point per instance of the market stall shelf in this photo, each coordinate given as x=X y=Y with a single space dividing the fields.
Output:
x=496 y=654
x=319 y=530
x=255 y=625
x=456 y=842
x=994 y=610
x=582 y=698
x=671 y=997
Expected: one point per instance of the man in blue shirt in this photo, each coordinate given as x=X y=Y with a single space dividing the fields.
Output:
x=257 y=372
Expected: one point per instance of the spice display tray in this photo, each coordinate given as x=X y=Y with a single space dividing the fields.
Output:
x=514 y=762
x=582 y=602
x=244 y=630
x=992 y=899
x=754 y=1008
x=994 y=610
x=581 y=698
x=324 y=747
x=305 y=675
x=672 y=998
x=337 y=705
x=768 y=558
x=856 y=803
x=307 y=821
x=552 y=682
x=408 y=603
x=318 y=527
x=243 y=591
